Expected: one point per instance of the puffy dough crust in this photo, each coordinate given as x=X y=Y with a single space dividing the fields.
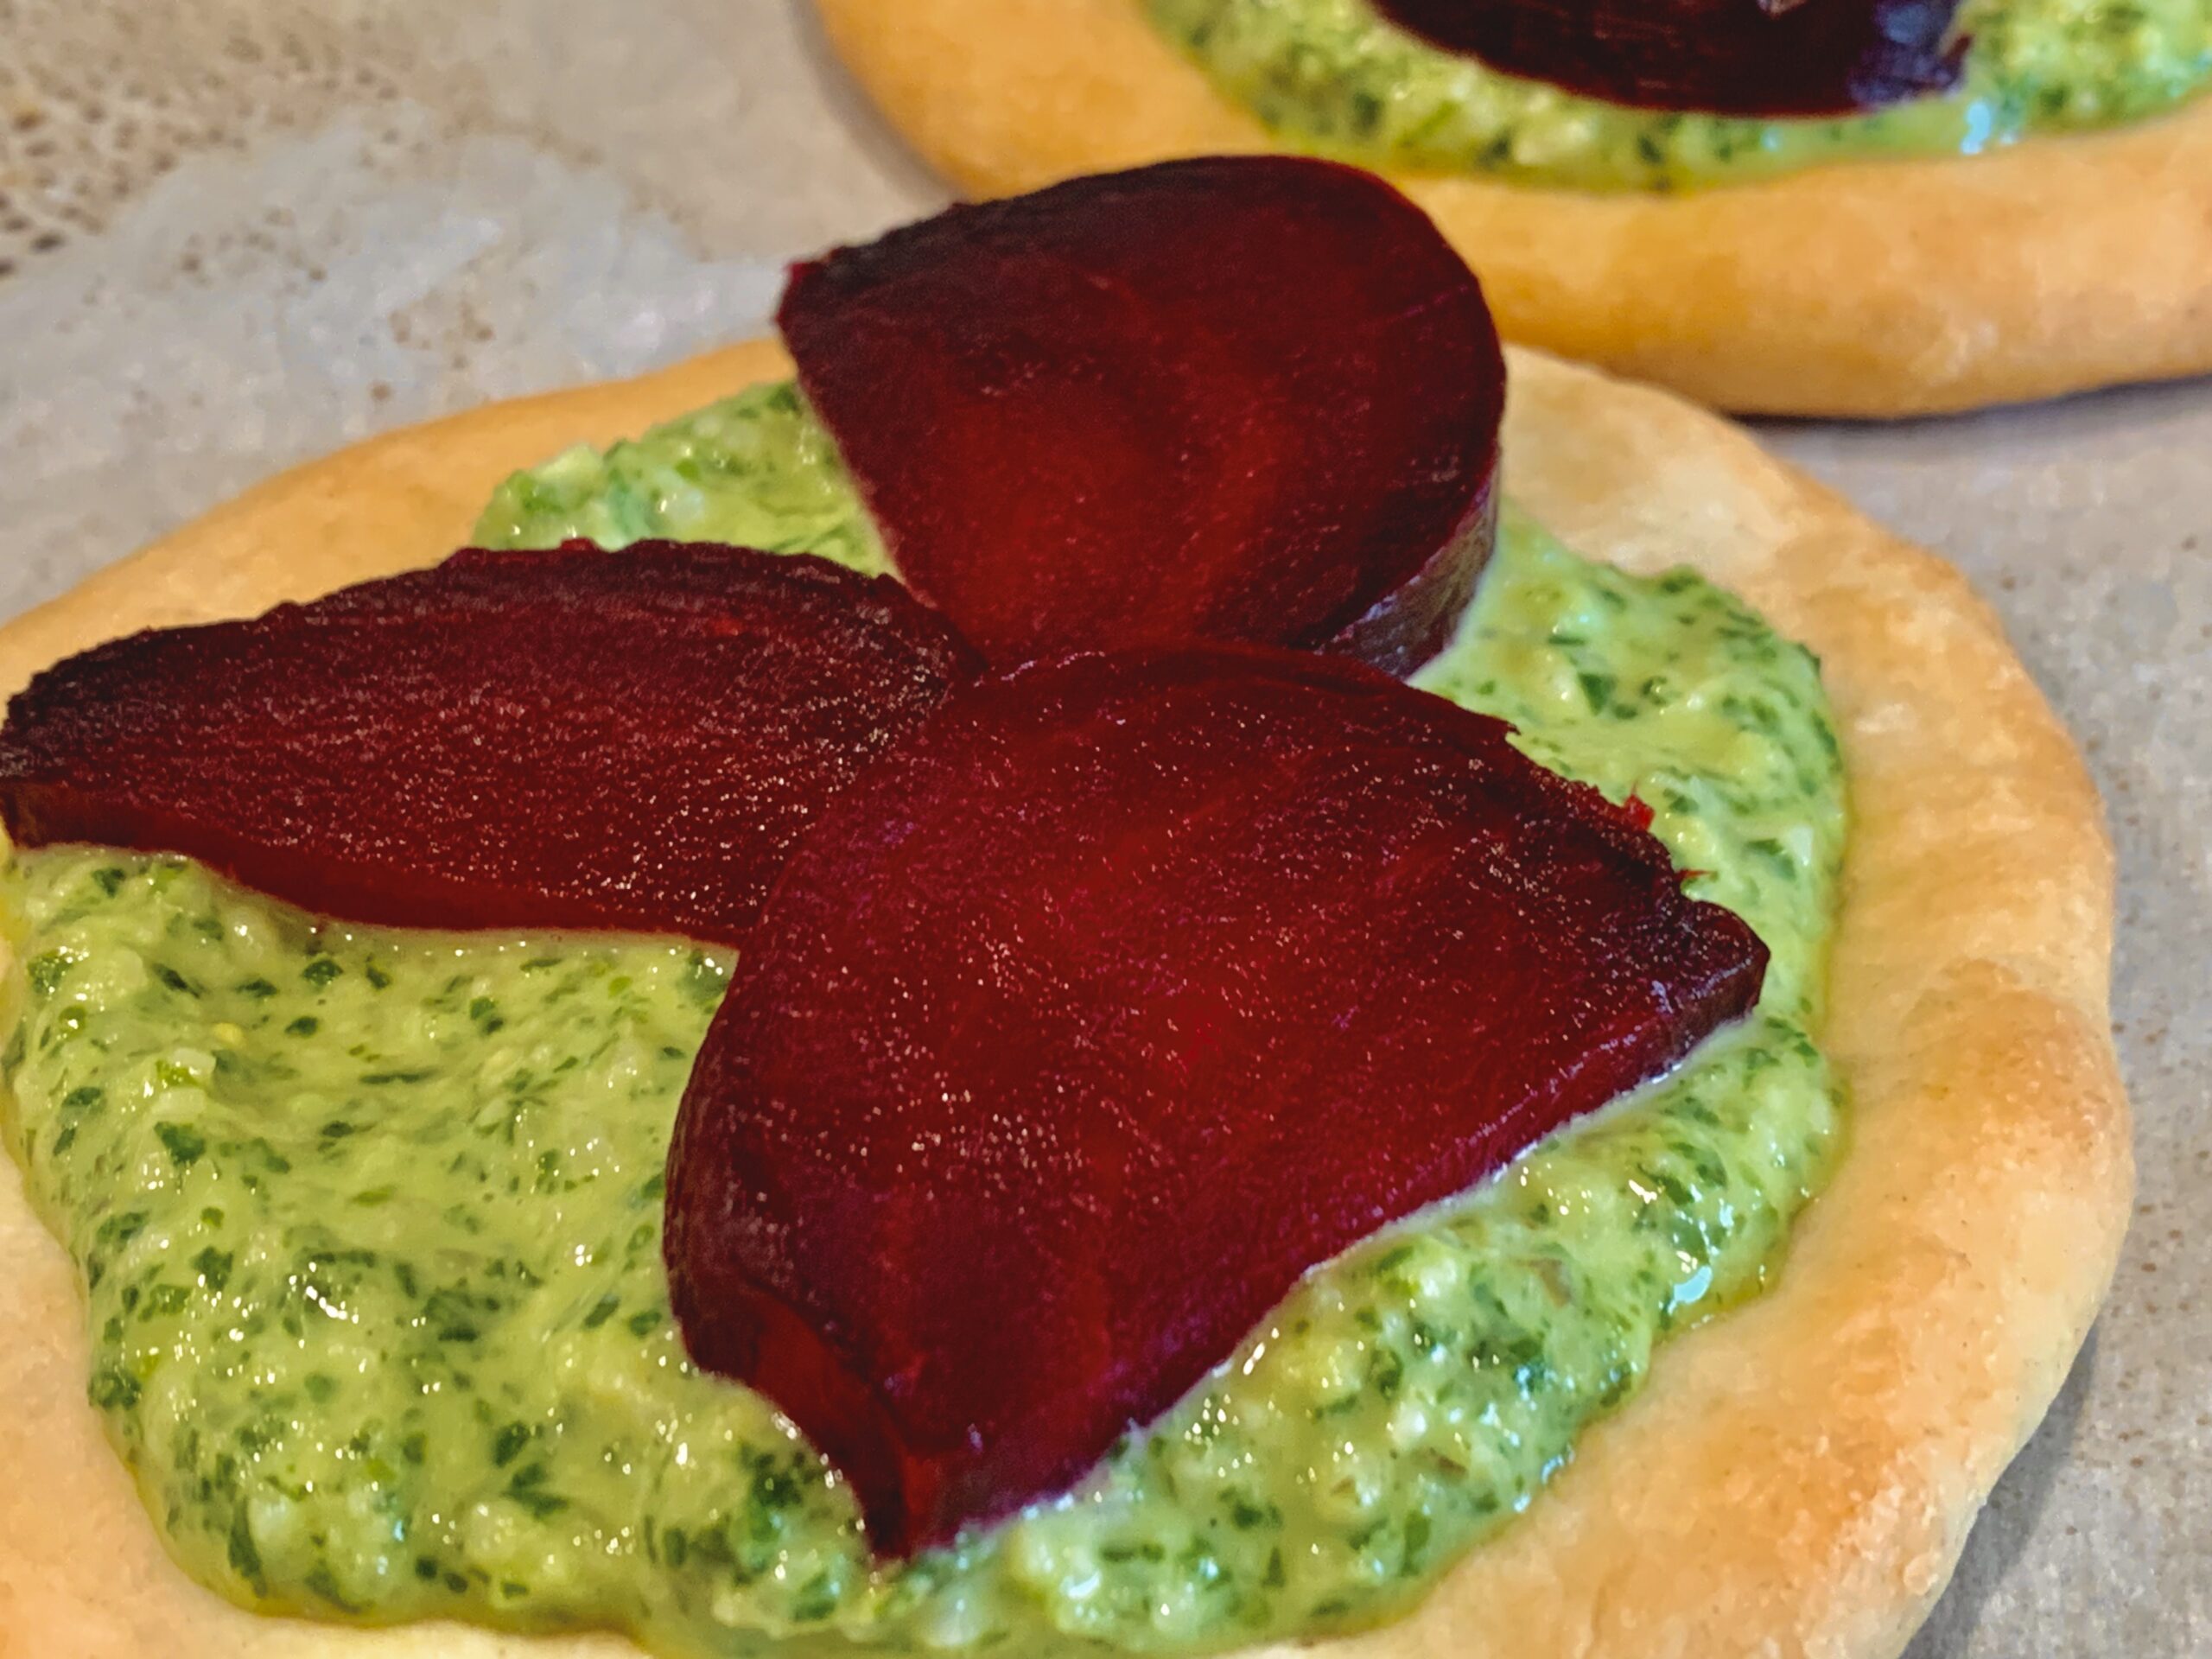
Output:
x=1798 y=1475
x=1879 y=288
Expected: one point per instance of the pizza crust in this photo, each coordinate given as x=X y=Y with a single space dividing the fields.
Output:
x=1881 y=288
x=1798 y=1477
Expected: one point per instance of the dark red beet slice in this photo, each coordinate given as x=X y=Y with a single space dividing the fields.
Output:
x=567 y=739
x=1130 y=988
x=1243 y=399
x=1723 y=57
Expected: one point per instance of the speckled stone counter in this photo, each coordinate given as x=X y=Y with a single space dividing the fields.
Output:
x=235 y=235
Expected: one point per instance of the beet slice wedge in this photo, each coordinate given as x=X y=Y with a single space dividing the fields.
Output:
x=1721 y=57
x=1248 y=399
x=1130 y=988
x=571 y=739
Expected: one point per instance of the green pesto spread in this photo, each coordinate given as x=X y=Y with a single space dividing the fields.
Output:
x=755 y=470
x=1334 y=76
x=369 y=1222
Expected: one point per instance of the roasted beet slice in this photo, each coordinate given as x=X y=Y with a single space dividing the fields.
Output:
x=1129 y=990
x=1250 y=399
x=1723 y=57
x=564 y=739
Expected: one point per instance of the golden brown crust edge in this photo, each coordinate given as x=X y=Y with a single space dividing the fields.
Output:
x=1798 y=1477
x=1881 y=289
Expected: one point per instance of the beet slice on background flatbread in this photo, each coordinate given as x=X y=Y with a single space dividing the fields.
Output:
x=571 y=739
x=1721 y=57
x=1249 y=398
x=1126 y=991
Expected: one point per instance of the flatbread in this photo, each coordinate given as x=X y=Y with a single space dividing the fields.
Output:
x=1881 y=287
x=1798 y=1475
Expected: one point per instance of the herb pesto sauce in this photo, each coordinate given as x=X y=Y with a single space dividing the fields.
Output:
x=1335 y=77
x=369 y=1222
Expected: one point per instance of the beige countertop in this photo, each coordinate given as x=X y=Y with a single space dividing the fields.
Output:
x=235 y=235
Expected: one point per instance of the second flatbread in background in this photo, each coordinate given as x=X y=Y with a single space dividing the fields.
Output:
x=1875 y=288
